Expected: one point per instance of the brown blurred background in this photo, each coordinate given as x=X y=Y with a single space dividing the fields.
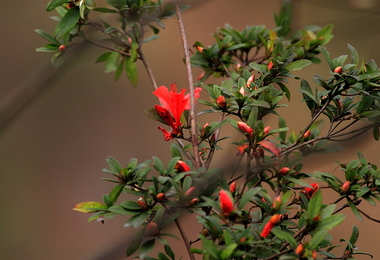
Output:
x=59 y=125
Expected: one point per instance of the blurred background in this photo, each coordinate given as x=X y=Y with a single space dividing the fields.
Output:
x=57 y=126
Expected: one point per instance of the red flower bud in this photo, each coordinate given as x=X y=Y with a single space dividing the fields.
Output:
x=190 y=192
x=142 y=204
x=70 y=5
x=152 y=229
x=201 y=75
x=276 y=203
x=250 y=80
x=338 y=70
x=266 y=130
x=270 y=65
x=200 y=49
x=245 y=128
x=233 y=187
x=221 y=101
x=62 y=48
x=309 y=192
x=346 y=186
x=275 y=219
x=160 y=197
x=242 y=148
x=306 y=135
x=226 y=203
x=284 y=170
x=299 y=249
x=192 y=202
x=181 y=166
x=314 y=254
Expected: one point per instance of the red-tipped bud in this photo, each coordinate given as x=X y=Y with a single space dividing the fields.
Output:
x=152 y=229
x=346 y=186
x=201 y=75
x=275 y=219
x=250 y=80
x=266 y=130
x=192 y=202
x=277 y=203
x=270 y=65
x=226 y=203
x=142 y=204
x=200 y=49
x=338 y=70
x=284 y=170
x=245 y=128
x=238 y=66
x=190 y=192
x=233 y=187
x=181 y=166
x=242 y=91
x=221 y=101
x=160 y=197
x=306 y=135
x=203 y=131
x=62 y=48
x=299 y=249
x=309 y=192
x=314 y=254
x=70 y=5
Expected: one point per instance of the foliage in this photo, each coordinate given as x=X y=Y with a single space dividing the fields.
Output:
x=268 y=207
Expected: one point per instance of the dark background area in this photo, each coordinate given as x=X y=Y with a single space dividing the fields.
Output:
x=57 y=126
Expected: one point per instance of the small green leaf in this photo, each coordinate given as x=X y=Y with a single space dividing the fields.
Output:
x=114 y=165
x=227 y=252
x=48 y=37
x=136 y=242
x=54 y=4
x=354 y=235
x=317 y=239
x=354 y=210
x=146 y=247
x=169 y=252
x=115 y=193
x=286 y=236
x=131 y=70
x=327 y=57
x=90 y=207
x=297 y=65
x=68 y=21
x=315 y=205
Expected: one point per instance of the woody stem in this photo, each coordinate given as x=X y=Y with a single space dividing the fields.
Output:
x=193 y=130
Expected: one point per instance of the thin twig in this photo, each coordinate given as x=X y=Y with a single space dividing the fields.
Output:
x=368 y=216
x=193 y=130
x=212 y=151
x=184 y=237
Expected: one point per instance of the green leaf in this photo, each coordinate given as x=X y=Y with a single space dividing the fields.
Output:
x=136 y=242
x=227 y=252
x=354 y=235
x=162 y=256
x=47 y=36
x=169 y=252
x=317 y=239
x=247 y=196
x=259 y=67
x=284 y=235
x=146 y=247
x=297 y=65
x=137 y=220
x=315 y=205
x=131 y=70
x=327 y=57
x=68 y=21
x=331 y=222
x=112 y=62
x=354 y=210
x=90 y=207
x=114 y=165
x=354 y=55
x=115 y=193
x=54 y=4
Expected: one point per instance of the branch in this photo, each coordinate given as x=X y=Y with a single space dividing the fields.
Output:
x=193 y=132
x=184 y=237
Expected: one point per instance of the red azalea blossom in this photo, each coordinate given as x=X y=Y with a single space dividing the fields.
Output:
x=181 y=166
x=226 y=203
x=173 y=105
x=310 y=191
x=242 y=148
x=274 y=220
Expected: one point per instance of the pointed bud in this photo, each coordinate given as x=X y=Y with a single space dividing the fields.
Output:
x=221 y=101
x=346 y=186
x=250 y=80
x=270 y=65
x=181 y=166
x=338 y=70
x=242 y=91
x=245 y=128
x=62 y=48
x=233 y=187
x=201 y=75
x=299 y=249
x=275 y=219
x=203 y=131
x=226 y=203
x=152 y=229
x=192 y=202
x=190 y=192
x=306 y=135
x=200 y=49
x=142 y=204
x=314 y=254
x=70 y=5
x=242 y=148
x=160 y=197
x=276 y=203
x=284 y=170
x=266 y=130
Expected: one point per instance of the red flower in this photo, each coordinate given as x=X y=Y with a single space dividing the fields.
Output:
x=242 y=148
x=310 y=191
x=181 y=166
x=173 y=105
x=226 y=203
x=275 y=219
x=245 y=128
